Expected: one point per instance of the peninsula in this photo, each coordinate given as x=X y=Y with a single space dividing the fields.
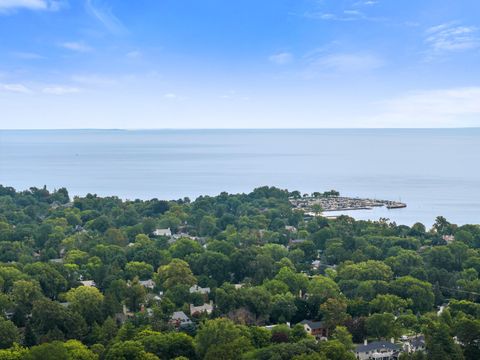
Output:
x=332 y=201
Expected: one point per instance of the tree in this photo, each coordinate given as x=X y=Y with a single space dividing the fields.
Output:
x=221 y=339
x=439 y=343
x=167 y=345
x=468 y=333
x=389 y=303
x=129 y=350
x=139 y=269
x=135 y=295
x=342 y=335
x=381 y=326
x=87 y=301
x=334 y=312
x=175 y=273
x=335 y=350
x=51 y=280
x=8 y=333
x=51 y=321
x=16 y=352
x=420 y=292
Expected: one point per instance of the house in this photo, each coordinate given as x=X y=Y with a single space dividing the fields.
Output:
x=448 y=238
x=315 y=328
x=149 y=284
x=179 y=319
x=199 y=290
x=88 y=283
x=290 y=228
x=316 y=264
x=378 y=350
x=413 y=343
x=205 y=308
x=163 y=232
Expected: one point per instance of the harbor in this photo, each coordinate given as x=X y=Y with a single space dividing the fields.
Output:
x=341 y=203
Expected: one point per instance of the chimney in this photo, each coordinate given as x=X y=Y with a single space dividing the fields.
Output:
x=365 y=342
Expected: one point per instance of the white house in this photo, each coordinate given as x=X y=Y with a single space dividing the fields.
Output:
x=377 y=350
x=149 y=284
x=205 y=308
x=179 y=319
x=199 y=290
x=163 y=232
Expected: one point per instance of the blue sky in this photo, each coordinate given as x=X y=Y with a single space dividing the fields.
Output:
x=239 y=64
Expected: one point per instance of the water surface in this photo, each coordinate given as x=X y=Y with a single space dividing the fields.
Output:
x=436 y=172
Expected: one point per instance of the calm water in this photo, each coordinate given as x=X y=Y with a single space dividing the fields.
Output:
x=436 y=172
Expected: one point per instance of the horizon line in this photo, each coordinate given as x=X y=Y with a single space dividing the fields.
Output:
x=279 y=128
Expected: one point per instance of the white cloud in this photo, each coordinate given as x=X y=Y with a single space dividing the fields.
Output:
x=94 y=79
x=281 y=58
x=345 y=15
x=60 y=90
x=347 y=62
x=17 y=88
x=134 y=54
x=170 y=96
x=452 y=37
x=8 y=6
x=76 y=46
x=105 y=15
x=27 y=55
x=435 y=108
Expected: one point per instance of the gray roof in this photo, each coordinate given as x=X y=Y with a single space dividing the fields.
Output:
x=377 y=345
x=181 y=316
x=313 y=324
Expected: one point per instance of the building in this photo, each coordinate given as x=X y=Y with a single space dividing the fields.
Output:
x=163 y=232
x=413 y=343
x=316 y=264
x=199 y=290
x=88 y=283
x=149 y=284
x=315 y=328
x=179 y=319
x=377 y=350
x=205 y=308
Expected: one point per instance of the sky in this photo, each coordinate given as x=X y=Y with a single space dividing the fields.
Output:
x=239 y=63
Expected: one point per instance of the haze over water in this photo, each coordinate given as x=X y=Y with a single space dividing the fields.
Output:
x=436 y=172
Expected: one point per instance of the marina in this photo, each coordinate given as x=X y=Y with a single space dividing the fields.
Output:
x=341 y=203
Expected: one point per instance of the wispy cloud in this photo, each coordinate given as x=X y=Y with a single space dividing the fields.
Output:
x=104 y=15
x=60 y=90
x=281 y=58
x=345 y=15
x=17 y=88
x=27 y=55
x=94 y=79
x=76 y=46
x=134 y=54
x=451 y=37
x=346 y=62
x=170 y=96
x=10 y=6
x=437 y=107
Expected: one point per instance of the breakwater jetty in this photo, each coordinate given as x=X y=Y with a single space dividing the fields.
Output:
x=341 y=203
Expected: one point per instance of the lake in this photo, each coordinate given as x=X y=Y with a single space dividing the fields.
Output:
x=435 y=171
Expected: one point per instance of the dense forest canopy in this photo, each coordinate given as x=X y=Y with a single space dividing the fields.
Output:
x=234 y=276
